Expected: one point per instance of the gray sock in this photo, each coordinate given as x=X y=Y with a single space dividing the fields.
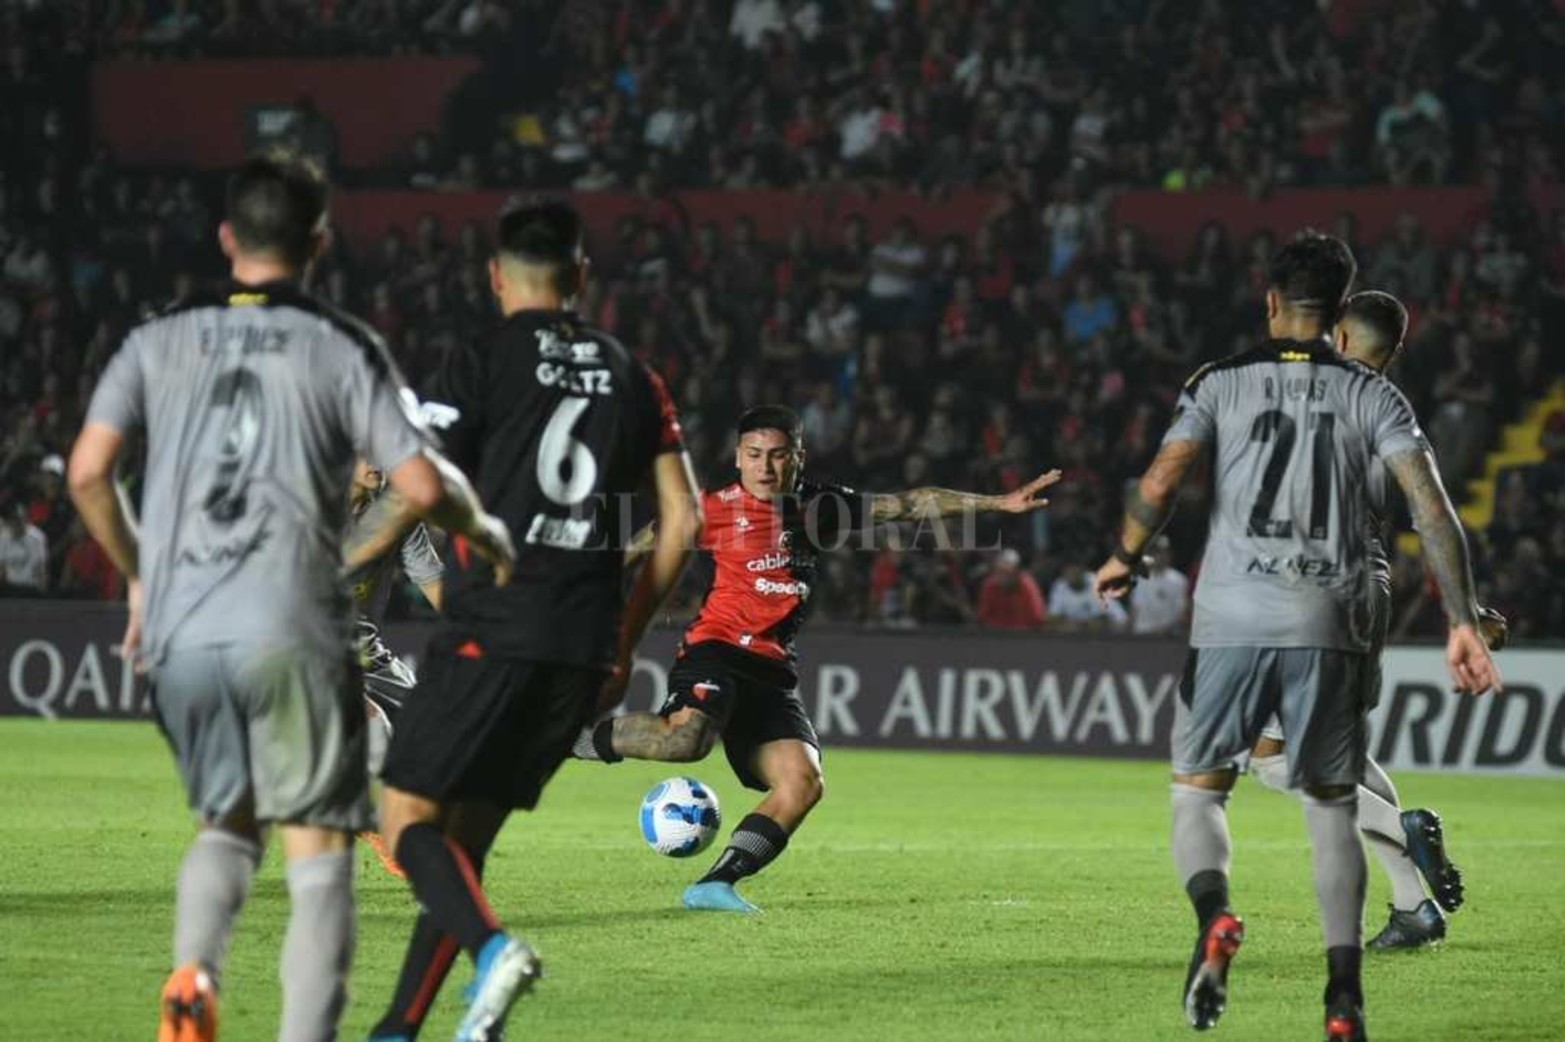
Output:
x=1380 y=819
x=1200 y=837
x=213 y=884
x=318 y=950
x=1271 y=771
x=1380 y=811
x=1340 y=871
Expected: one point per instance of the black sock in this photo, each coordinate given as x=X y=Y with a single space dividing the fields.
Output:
x=424 y=968
x=428 y=960
x=1344 y=969
x=1209 y=894
x=755 y=844
x=446 y=884
x=603 y=742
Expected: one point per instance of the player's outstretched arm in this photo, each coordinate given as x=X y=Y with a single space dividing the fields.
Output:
x=432 y=488
x=922 y=504
x=678 y=527
x=1445 y=552
x=1147 y=509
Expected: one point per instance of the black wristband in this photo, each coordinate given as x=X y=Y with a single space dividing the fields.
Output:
x=1125 y=557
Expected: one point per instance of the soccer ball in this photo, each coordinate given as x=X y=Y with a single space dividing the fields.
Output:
x=680 y=817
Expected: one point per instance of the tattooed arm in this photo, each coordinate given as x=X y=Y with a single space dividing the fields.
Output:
x=1147 y=509
x=921 y=504
x=1444 y=545
x=431 y=487
x=1445 y=553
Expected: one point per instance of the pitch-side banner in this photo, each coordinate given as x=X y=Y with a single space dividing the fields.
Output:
x=926 y=690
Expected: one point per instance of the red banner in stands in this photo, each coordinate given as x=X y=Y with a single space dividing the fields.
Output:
x=1171 y=220
x=192 y=113
x=364 y=216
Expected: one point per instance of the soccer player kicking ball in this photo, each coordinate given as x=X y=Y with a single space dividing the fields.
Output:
x=1290 y=429
x=1411 y=843
x=735 y=676
x=255 y=399
x=559 y=426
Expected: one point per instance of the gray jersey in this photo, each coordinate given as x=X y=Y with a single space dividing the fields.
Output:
x=1293 y=429
x=255 y=402
x=371 y=584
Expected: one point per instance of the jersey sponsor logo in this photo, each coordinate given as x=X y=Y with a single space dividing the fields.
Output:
x=437 y=415
x=575 y=381
x=769 y=562
x=728 y=495
x=552 y=345
x=562 y=533
x=773 y=588
x=1306 y=567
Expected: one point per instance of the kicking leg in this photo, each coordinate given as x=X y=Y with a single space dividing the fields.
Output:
x=791 y=769
x=683 y=736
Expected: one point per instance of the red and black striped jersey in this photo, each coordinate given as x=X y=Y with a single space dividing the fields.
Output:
x=764 y=555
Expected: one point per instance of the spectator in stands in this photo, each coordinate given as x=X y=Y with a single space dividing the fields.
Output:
x=1408 y=259
x=1074 y=605
x=1412 y=136
x=895 y=268
x=24 y=551
x=1160 y=603
x=1009 y=598
x=86 y=570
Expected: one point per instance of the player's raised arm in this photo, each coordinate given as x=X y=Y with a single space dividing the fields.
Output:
x=922 y=504
x=1445 y=552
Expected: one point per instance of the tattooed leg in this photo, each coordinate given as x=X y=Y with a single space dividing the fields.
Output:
x=681 y=737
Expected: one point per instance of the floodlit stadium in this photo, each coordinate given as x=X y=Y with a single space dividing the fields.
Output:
x=793 y=519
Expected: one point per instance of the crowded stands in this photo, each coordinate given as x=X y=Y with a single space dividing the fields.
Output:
x=1047 y=334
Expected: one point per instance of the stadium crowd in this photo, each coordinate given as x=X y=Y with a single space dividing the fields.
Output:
x=1046 y=336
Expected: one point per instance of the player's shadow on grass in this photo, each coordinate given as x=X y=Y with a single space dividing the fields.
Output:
x=72 y=903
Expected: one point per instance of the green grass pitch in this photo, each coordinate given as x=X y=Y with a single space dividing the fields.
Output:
x=933 y=896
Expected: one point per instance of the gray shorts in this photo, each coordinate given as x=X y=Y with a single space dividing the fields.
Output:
x=1228 y=695
x=1380 y=625
x=282 y=726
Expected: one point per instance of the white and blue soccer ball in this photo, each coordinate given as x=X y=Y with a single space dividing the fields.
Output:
x=680 y=817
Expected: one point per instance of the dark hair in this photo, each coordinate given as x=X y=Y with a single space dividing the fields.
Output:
x=546 y=233
x=1383 y=316
x=277 y=204
x=1313 y=272
x=773 y=418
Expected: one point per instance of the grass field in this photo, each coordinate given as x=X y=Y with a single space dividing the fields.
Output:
x=934 y=896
